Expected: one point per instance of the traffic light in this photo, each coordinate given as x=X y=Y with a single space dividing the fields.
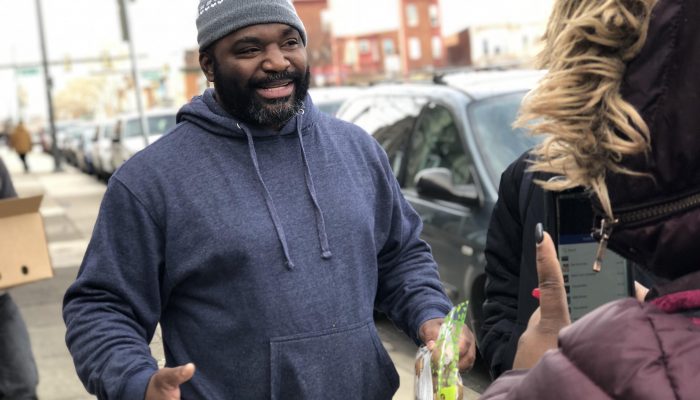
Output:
x=67 y=63
x=107 y=62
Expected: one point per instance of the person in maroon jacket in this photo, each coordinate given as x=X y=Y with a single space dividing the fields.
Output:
x=621 y=101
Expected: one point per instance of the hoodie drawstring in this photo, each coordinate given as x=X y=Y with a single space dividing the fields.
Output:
x=320 y=223
x=268 y=200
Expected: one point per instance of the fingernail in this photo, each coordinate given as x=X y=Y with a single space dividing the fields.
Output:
x=539 y=233
x=536 y=293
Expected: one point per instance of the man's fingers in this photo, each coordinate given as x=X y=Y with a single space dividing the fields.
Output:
x=551 y=283
x=467 y=350
x=172 y=378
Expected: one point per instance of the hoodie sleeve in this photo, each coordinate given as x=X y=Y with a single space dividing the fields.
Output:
x=112 y=309
x=409 y=289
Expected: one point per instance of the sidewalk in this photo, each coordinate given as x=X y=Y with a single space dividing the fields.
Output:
x=70 y=206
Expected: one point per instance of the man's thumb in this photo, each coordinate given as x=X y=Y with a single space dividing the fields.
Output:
x=171 y=378
x=551 y=283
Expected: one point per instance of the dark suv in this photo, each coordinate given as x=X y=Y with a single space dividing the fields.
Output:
x=448 y=142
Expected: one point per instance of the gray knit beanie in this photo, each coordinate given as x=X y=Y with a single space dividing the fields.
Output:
x=218 y=18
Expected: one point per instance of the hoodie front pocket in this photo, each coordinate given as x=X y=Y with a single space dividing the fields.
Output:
x=341 y=363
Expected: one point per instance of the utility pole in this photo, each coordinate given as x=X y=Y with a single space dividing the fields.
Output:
x=127 y=35
x=49 y=87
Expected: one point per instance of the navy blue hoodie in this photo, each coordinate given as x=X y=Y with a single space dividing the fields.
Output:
x=262 y=254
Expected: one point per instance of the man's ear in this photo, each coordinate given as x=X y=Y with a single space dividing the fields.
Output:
x=206 y=63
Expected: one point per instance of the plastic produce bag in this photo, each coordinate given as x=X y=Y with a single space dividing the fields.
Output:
x=440 y=379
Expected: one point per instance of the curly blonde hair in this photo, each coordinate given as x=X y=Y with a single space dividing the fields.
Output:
x=590 y=127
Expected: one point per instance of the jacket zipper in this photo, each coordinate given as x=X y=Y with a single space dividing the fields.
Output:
x=659 y=210
x=602 y=233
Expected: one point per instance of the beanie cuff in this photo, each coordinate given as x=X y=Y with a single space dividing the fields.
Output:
x=219 y=18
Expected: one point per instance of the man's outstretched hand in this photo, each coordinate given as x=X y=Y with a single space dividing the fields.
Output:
x=429 y=332
x=165 y=384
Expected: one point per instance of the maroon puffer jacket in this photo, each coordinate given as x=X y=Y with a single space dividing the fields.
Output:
x=623 y=350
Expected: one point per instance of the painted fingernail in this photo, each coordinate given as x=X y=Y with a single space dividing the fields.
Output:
x=539 y=233
x=536 y=293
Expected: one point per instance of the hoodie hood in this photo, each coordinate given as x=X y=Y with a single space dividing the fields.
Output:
x=205 y=112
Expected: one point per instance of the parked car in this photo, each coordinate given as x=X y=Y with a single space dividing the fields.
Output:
x=78 y=146
x=448 y=142
x=329 y=99
x=128 y=137
x=61 y=128
x=101 y=148
x=72 y=140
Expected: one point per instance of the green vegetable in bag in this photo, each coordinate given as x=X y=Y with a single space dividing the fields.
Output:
x=449 y=382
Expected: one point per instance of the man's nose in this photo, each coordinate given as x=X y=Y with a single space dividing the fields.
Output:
x=275 y=60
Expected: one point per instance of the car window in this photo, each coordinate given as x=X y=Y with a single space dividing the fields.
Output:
x=355 y=108
x=109 y=131
x=491 y=121
x=390 y=121
x=330 y=107
x=157 y=125
x=437 y=143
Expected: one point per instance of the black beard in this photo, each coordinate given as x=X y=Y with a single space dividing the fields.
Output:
x=244 y=103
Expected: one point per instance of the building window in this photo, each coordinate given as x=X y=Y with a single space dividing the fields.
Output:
x=389 y=48
x=434 y=15
x=351 y=54
x=326 y=20
x=412 y=15
x=364 y=46
x=437 y=48
x=414 y=52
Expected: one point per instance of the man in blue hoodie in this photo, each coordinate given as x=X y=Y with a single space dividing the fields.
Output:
x=260 y=233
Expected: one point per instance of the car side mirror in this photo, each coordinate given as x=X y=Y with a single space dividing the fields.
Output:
x=437 y=183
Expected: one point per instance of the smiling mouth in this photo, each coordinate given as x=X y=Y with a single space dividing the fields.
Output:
x=276 y=90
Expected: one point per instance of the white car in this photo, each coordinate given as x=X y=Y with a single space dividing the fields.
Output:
x=128 y=137
x=101 y=149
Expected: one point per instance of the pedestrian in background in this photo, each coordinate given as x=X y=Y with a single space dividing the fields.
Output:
x=21 y=141
x=18 y=373
x=620 y=103
x=260 y=233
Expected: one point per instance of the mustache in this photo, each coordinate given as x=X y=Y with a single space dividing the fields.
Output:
x=294 y=76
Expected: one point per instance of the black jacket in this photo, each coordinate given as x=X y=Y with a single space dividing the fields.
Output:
x=511 y=273
x=510 y=265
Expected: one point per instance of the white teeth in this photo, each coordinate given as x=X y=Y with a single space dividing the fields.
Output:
x=275 y=87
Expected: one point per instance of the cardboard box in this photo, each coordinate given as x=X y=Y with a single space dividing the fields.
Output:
x=24 y=254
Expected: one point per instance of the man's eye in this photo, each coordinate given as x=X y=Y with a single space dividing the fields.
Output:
x=291 y=42
x=248 y=50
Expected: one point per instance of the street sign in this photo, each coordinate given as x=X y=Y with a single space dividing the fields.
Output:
x=30 y=71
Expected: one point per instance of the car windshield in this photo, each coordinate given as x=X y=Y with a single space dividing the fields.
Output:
x=330 y=107
x=491 y=121
x=157 y=125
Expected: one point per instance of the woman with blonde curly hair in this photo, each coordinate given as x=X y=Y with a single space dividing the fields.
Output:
x=621 y=107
